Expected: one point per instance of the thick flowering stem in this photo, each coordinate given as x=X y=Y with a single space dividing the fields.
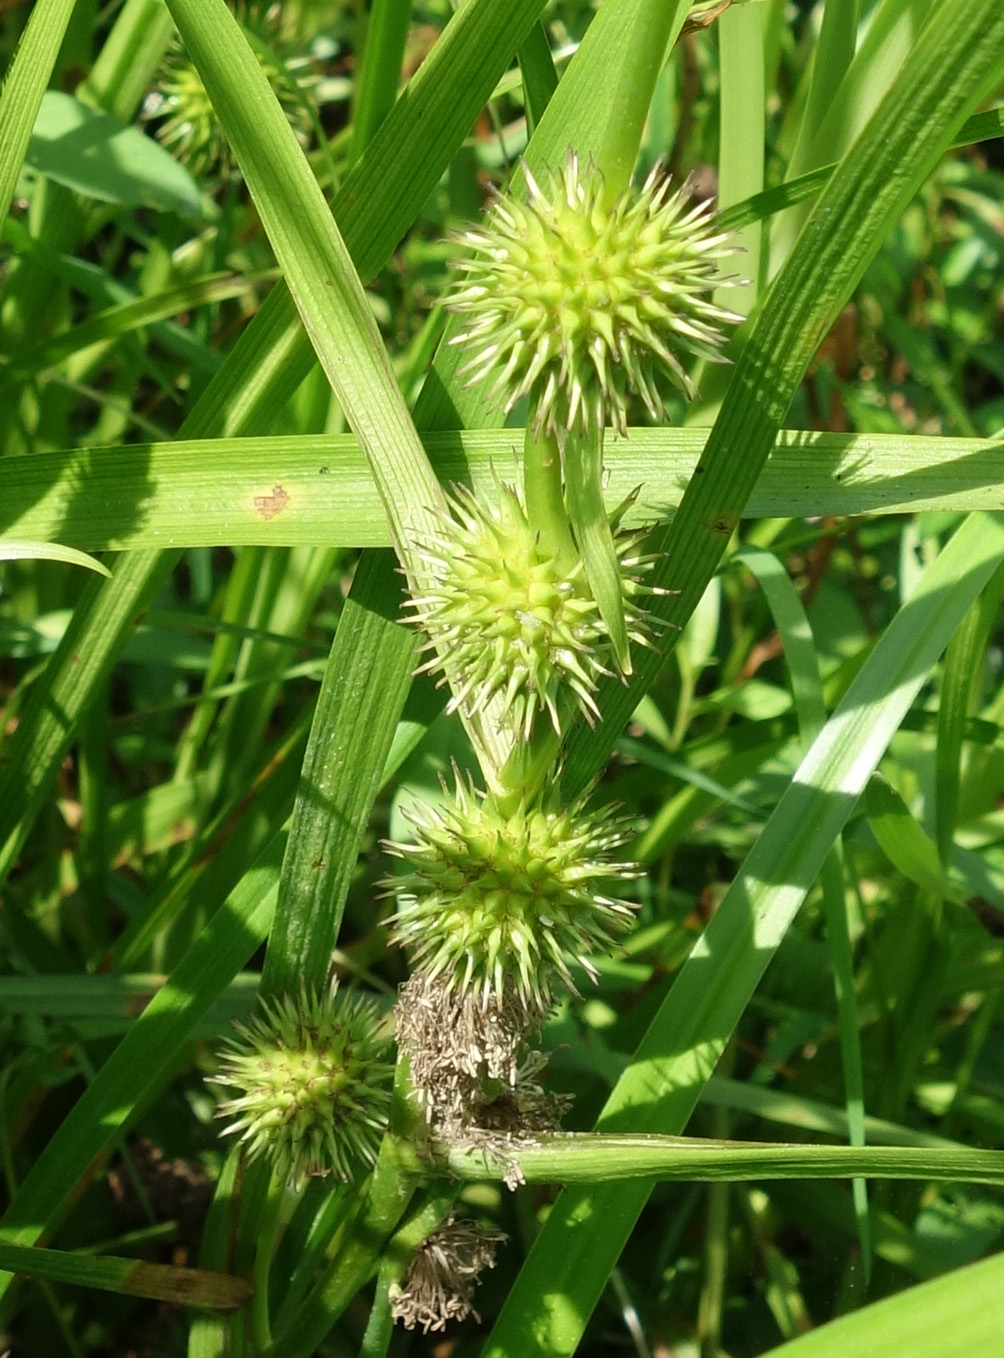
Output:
x=614 y=144
x=580 y=300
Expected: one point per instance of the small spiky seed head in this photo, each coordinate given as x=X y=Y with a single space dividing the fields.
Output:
x=506 y=617
x=189 y=127
x=498 y=901
x=575 y=303
x=312 y=1084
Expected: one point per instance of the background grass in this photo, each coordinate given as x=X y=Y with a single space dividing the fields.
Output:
x=201 y=754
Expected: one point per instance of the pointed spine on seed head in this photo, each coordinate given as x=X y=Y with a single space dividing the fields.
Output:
x=310 y=1082
x=504 y=615
x=575 y=304
x=496 y=902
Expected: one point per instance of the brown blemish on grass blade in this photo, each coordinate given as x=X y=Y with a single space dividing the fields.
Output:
x=268 y=506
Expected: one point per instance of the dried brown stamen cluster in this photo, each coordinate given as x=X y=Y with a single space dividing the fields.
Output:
x=443 y=1275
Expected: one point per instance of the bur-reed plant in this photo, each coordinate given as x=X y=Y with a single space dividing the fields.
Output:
x=570 y=928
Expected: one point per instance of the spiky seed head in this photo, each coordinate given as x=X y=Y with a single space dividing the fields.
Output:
x=506 y=616
x=498 y=901
x=575 y=304
x=312 y=1084
x=187 y=123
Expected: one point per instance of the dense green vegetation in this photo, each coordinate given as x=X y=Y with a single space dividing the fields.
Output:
x=230 y=410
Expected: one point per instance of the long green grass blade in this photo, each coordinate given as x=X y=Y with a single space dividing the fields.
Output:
x=128 y=317
x=199 y=1287
x=585 y=1231
x=316 y=489
x=832 y=126
x=24 y=86
x=960 y=1315
x=540 y=79
x=12 y=549
x=316 y=263
x=376 y=90
x=365 y=684
x=980 y=127
x=807 y=689
x=833 y=53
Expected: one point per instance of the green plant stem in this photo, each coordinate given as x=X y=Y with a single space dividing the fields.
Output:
x=654 y=26
x=268 y=1225
x=24 y=86
x=586 y=1158
x=386 y=35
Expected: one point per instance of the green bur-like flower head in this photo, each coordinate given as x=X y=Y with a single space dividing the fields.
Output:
x=190 y=128
x=575 y=304
x=507 y=616
x=498 y=902
x=313 y=1087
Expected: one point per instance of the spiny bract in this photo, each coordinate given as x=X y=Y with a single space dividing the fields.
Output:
x=575 y=304
x=506 y=616
x=312 y=1082
x=499 y=901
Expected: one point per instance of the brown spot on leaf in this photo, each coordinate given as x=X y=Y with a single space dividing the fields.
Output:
x=268 y=506
x=704 y=20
